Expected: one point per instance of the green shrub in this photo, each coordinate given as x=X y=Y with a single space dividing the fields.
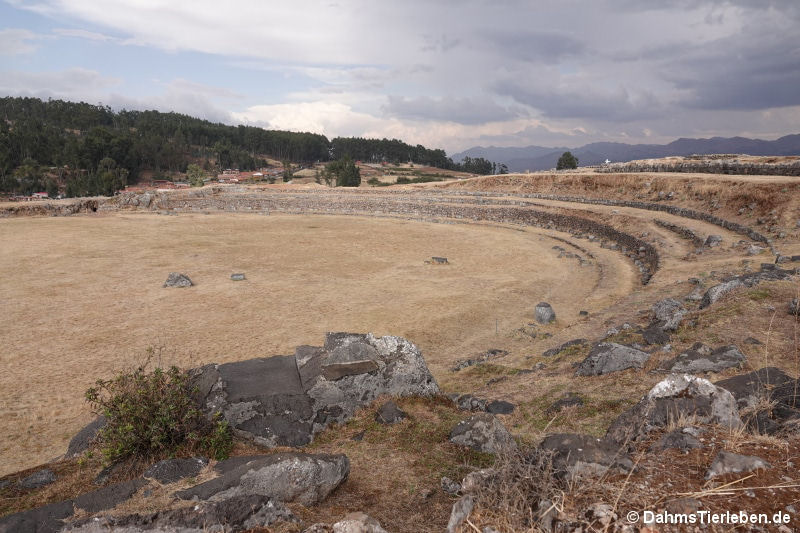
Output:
x=152 y=414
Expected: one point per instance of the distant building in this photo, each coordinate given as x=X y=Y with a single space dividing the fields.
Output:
x=40 y=196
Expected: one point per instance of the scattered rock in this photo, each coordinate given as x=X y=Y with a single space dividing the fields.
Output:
x=558 y=349
x=500 y=407
x=286 y=400
x=607 y=357
x=389 y=413
x=286 y=477
x=482 y=358
x=357 y=522
x=669 y=400
x=468 y=402
x=569 y=399
x=583 y=313
x=83 y=439
x=450 y=487
x=713 y=240
x=40 y=478
x=172 y=470
x=584 y=455
x=176 y=279
x=669 y=313
x=753 y=341
x=483 y=432
x=678 y=439
x=601 y=516
x=544 y=313
x=699 y=358
x=754 y=250
x=731 y=463
x=460 y=512
x=794 y=307
x=655 y=334
x=237 y=277
x=439 y=260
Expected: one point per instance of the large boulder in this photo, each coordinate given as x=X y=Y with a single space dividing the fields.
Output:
x=699 y=359
x=286 y=400
x=669 y=313
x=676 y=397
x=606 y=357
x=544 y=313
x=286 y=477
x=172 y=470
x=483 y=432
x=47 y=519
x=577 y=455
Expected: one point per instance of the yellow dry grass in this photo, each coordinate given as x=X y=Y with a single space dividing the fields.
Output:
x=82 y=298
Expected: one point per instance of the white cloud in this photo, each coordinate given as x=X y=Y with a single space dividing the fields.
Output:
x=16 y=41
x=83 y=34
x=72 y=83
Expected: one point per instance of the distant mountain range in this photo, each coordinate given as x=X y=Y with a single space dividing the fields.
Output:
x=520 y=159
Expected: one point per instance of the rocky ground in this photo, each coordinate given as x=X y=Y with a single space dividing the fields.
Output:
x=675 y=398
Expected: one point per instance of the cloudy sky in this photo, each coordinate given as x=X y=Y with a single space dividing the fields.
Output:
x=444 y=73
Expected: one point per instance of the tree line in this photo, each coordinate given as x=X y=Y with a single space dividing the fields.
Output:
x=98 y=150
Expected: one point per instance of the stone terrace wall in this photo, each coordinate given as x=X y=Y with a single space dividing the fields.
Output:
x=708 y=167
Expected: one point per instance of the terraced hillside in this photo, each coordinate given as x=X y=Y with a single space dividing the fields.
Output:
x=604 y=250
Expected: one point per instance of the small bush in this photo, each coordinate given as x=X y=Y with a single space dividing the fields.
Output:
x=152 y=414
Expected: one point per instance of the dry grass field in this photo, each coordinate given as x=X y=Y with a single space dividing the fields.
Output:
x=82 y=298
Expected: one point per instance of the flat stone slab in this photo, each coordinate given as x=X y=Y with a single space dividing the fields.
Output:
x=108 y=497
x=286 y=477
x=172 y=470
x=389 y=413
x=38 y=479
x=232 y=515
x=47 y=519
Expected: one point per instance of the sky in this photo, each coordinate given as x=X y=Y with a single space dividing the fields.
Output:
x=447 y=74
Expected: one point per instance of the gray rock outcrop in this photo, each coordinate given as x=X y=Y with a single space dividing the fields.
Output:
x=81 y=441
x=730 y=463
x=669 y=313
x=38 y=479
x=671 y=399
x=286 y=477
x=606 y=357
x=754 y=387
x=700 y=358
x=578 y=455
x=745 y=280
x=483 y=432
x=677 y=439
x=286 y=400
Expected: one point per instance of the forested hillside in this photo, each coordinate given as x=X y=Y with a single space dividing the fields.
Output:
x=96 y=150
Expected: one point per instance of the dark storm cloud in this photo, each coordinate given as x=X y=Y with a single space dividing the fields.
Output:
x=534 y=46
x=459 y=110
x=582 y=102
x=750 y=72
